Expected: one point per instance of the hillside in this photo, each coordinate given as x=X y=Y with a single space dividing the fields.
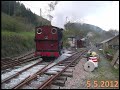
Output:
x=18 y=35
x=83 y=30
x=42 y=21
x=17 y=25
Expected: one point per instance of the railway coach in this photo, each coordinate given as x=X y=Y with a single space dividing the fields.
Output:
x=48 y=40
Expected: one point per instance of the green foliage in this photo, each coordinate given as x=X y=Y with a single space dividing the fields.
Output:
x=14 y=8
x=16 y=43
x=82 y=30
x=77 y=29
x=41 y=21
x=110 y=51
x=17 y=9
x=8 y=7
x=18 y=25
x=11 y=24
x=65 y=38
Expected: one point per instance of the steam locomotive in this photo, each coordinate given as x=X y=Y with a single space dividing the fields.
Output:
x=48 y=40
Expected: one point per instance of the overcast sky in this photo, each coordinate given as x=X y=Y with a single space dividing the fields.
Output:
x=104 y=14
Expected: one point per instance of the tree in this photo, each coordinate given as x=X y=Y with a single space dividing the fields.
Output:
x=18 y=10
x=113 y=32
x=8 y=7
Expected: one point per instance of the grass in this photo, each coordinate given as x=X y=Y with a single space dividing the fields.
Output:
x=14 y=43
x=105 y=72
x=110 y=51
x=17 y=35
x=10 y=23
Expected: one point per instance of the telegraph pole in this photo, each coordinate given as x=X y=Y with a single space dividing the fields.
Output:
x=66 y=19
x=40 y=12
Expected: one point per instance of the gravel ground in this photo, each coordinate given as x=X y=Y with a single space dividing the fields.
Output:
x=104 y=73
x=79 y=77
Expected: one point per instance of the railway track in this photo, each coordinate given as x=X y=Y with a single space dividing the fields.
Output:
x=43 y=77
x=23 y=73
x=8 y=62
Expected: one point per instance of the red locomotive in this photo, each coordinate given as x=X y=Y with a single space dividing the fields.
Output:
x=48 y=41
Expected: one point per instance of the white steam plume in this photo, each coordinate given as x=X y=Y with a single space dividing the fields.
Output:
x=77 y=11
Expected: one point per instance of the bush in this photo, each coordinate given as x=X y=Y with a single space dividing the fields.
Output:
x=109 y=53
x=11 y=24
x=16 y=43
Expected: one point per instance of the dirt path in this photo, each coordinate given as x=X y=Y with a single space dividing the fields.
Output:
x=105 y=76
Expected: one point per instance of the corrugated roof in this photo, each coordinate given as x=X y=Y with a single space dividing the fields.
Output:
x=109 y=39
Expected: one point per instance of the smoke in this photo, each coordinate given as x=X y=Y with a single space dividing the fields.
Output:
x=77 y=11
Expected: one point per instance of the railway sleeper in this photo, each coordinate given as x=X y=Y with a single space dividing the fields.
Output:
x=62 y=78
x=68 y=74
x=63 y=64
x=59 y=82
x=67 y=61
x=69 y=70
x=53 y=87
x=72 y=65
x=17 y=63
x=51 y=73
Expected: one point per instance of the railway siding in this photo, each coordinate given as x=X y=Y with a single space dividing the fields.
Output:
x=37 y=75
